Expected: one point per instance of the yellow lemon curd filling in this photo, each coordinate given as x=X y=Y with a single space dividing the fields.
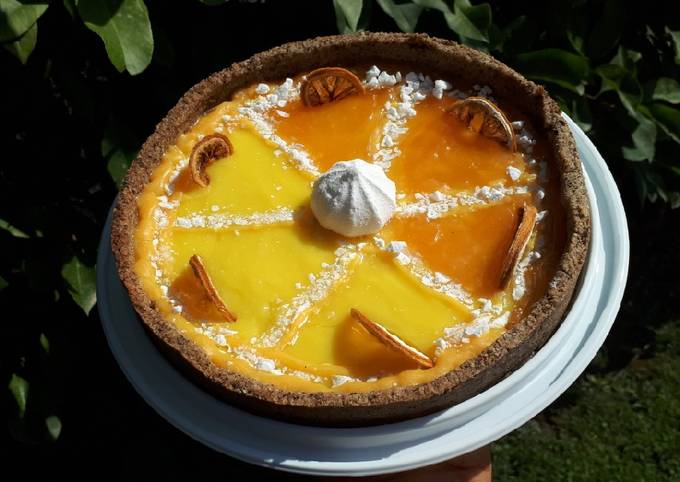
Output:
x=431 y=276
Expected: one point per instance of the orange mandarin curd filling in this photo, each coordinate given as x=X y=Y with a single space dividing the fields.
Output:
x=337 y=130
x=292 y=284
x=459 y=158
x=484 y=235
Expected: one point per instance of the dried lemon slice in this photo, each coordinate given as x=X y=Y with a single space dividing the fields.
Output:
x=198 y=267
x=526 y=225
x=484 y=117
x=206 y=151
x=327 y=84
x=391 y=340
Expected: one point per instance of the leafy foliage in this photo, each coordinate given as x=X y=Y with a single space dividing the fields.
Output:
x=19 y=388
x=405 y=15
x=118 y=148
x=123 y=26
x=53 y=425
x=81 y=281
x=17 y=17
x=22 y=47
x=347 y=13
x=555 y=66
x=14 y=231
x=125 y=29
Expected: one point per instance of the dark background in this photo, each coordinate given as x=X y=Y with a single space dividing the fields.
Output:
x=621 y=421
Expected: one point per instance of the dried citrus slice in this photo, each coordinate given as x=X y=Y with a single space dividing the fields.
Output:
x=328 y=84
x=198 y=267
x=205 y=152
x=484 y=117
x=527 y=221
x=392 y=341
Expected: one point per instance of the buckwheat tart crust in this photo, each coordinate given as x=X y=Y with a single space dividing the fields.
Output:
x=447 y=60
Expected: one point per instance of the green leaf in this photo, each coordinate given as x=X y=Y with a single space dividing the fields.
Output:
x=3 y=283
x=576 y=41
x=668 y=118
x=81 y=281
x=347 y=13
x=119 y=162
x=53 y=424
x=125 y=29
x=626 y=58
x=644 y=141
x=649 y=184
x=674 y=199
x=436 y=5
x=667 y=89
x=117 y=149
x=19 y=388
x=555 y=65
x=675 y=41
x=17 y=17
x=620 y=75
x=45 y=343
x=618 y=79
x=16 y=232
x=473 y=21
x=576 y=30
x=404 y=15
x=468 y=21
x=24 y=45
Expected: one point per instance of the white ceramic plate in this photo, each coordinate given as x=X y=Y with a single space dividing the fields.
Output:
x=399 y=446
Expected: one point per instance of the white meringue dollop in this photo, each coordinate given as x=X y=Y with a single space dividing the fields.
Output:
x=353 y=198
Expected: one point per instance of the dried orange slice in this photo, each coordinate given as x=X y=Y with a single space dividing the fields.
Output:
x=328 y=84
x=201 y=273
x=205 y=152
x=392 y=341
x=484 y=117
x=527 y=221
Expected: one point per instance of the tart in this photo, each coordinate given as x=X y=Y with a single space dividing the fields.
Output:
x=354 y=230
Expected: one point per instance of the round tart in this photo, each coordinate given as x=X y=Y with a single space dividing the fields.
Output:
x=456 y=217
